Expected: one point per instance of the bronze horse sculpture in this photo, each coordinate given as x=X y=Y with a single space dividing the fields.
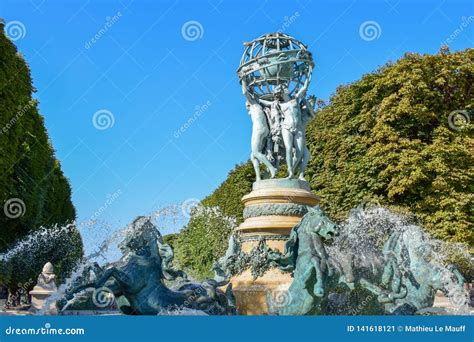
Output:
x=411 y=277
x=306 y=257
x=404 y=283
x=137 y=279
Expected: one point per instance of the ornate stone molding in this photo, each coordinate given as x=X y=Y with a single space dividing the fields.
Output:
x=284 y=209
x=265 y=237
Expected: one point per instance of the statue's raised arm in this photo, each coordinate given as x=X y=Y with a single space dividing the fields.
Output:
x=246 y=93
x=302 y=91
x=308 y=108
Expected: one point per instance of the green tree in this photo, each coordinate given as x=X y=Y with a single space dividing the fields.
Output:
x=386 y=138
x=31 y=180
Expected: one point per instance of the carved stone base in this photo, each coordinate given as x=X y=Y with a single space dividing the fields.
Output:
x=39 y=301
x=272 y=209
x=263 y=295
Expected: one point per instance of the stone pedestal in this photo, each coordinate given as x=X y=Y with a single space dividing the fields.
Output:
x=272 y=209
x=45 y=287
x=39 y=301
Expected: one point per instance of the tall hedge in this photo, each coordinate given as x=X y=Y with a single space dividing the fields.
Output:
x=384 y=139
x=30 y=176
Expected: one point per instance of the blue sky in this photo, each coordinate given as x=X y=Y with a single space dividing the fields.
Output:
x=152 y=79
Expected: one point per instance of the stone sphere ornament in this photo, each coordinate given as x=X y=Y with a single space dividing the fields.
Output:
x=275 y=59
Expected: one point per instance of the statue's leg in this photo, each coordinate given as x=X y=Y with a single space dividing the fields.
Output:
x=390 y=258
x=257 y=147
x=379 y=292
x=288 y=141
x=264 y=160
x=256 y=166
x=319 y=285
x=104 y=277
x=392 y=276
x=301 y=301
x=269 y=148
x=298 y=143
x=304 y=163
x=391 y=244
x=115 y=273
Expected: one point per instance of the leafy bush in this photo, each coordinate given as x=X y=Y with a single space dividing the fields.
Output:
x=203 y=240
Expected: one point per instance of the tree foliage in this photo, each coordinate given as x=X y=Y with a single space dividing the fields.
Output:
x=203 y=240
x=29 y=171
x=386 y=139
